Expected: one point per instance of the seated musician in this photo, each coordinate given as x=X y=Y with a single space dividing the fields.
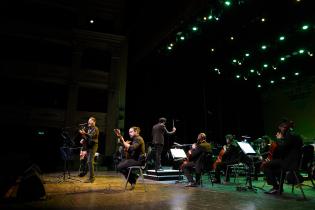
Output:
x=263 y=153
x=230 y=155
x=288 y=155
x=196 y=158
x=135 y=154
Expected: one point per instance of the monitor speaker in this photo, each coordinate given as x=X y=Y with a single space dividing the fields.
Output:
x=28 y=187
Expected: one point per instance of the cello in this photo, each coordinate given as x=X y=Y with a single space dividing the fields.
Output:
x=219 y=157
x=272 y=149
x=186 y=160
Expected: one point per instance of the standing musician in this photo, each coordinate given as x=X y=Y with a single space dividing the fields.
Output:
x=196 y=158
x=158 y=131
x=90 y=136
x=229 y=154
x=289 y=155
x=135 y=154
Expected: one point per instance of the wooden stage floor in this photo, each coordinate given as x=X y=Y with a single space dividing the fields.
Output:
x=107 y=192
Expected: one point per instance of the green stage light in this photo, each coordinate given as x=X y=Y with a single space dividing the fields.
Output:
x=227 y=3
x=281 y=38
x=305 y=27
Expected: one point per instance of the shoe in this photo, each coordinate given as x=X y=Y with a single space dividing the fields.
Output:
x=216 y=181
x=191 y=184
x=89 y=181
x=137 y=176
x=133 y=185
x=273 y=191
x=82 y=174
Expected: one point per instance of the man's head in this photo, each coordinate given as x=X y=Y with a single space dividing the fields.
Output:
x=134 y=131
x=229 y=138
x=91 y=121
x=162 y=120
x=285 y=125
x=201 y=137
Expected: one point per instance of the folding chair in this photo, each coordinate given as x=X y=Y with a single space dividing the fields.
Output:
x=141 y=169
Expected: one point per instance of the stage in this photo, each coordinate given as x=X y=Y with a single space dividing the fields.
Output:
x=107 y=192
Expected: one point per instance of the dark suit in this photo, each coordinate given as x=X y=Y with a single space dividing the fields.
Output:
x=91 y=146
x=196 y=161
x=158 y=132
x=230 y=156
x=289 y=157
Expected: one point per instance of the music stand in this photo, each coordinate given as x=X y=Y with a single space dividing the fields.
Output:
x=248 y=150
x=66 y=153
x=178 y=155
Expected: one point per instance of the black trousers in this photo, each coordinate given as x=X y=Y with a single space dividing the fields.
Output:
x=158 y=154
x=189 y=168
x=123 y=168
x=272 y=171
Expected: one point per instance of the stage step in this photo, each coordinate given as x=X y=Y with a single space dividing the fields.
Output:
x=165 y=175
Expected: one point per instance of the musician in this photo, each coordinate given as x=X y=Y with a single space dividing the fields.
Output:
x=230 y=155
x=289 y=152
x=196 y=159
x=135 y=149
x=158 y=131
x=263 y=152
x=90 y=138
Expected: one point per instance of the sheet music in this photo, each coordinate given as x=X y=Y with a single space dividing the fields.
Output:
x=246 y=148
x=178 y=153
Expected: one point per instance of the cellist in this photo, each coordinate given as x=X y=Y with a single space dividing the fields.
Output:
x=289 y=155
x=195 y=161
x=231 y=155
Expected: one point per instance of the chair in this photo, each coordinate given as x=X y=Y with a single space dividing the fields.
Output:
x=236 y=169
x=307 y=162
x=295 y=179
x=141 y=169
x=207 y=160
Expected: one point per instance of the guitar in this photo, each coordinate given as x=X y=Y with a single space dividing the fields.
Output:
x=122 y=140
